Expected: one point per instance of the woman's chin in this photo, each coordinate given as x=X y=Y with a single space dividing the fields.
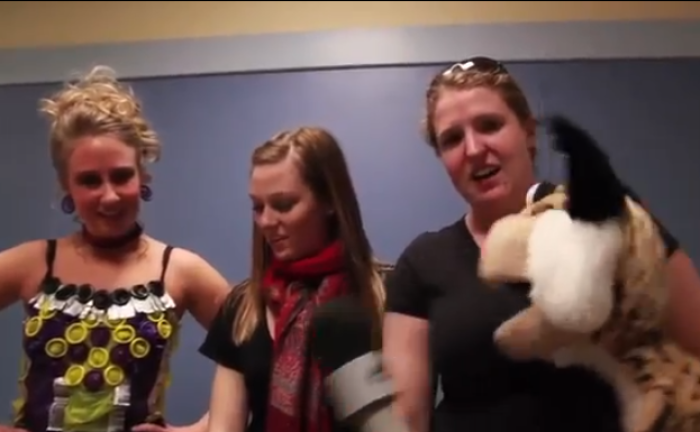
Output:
x=108 y=228
x=283 y=254
x=491 y=195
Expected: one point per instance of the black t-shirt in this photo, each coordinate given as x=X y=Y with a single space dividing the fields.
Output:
x=252 y=359
x=436 y=279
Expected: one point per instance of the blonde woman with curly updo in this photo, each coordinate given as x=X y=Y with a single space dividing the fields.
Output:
x=103 y=304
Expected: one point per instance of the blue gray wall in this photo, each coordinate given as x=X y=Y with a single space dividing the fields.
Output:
x=210 y=115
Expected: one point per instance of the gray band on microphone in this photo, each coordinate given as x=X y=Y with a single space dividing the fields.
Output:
x=358 y=384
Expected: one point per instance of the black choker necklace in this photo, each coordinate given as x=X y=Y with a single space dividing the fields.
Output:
x=113 y=242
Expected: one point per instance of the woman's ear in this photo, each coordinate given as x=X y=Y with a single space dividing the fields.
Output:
x=532 y=149
x=145 y=176
x=530 y=126
x=63 y=185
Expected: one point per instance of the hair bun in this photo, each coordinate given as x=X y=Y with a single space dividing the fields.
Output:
x=98 y=103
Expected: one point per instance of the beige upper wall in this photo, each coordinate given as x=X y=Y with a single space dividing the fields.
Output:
x=43 y=23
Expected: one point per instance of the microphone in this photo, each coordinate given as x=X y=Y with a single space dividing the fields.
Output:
x=357 y=388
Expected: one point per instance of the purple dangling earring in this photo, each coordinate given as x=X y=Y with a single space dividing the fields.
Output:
x=67 y=205
x=146 y=192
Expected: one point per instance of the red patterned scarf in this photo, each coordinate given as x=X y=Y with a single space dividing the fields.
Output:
x=296 y=387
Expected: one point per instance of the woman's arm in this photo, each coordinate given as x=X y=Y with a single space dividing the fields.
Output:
x=228 y=406
x=684 y=301
x=406 y=362
x=205 y=291
x=205 y=288
x=228 y=409
x=684 y=289
x=405 y=339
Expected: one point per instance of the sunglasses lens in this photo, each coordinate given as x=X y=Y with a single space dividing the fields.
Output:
x=485 y=63
x=480 y=64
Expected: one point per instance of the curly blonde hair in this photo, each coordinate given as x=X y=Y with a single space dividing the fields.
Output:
x=98 y=104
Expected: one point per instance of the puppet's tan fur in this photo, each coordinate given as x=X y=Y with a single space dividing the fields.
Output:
x=658 y=383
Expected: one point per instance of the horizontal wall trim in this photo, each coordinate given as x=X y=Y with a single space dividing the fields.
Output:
x=360 y=47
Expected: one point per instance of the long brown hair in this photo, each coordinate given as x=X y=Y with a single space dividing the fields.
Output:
x=323 y=168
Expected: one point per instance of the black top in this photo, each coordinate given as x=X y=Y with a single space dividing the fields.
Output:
x=436 y=279
x=37 y=411
x=252 y=359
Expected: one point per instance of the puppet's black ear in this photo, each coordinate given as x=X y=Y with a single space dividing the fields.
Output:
x=595 y=193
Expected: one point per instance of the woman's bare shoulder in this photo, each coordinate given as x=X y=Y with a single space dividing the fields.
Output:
x=24 y=265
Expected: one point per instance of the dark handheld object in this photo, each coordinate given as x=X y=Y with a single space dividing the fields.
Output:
x=357 y=389
x=341 y=330
x=595 y=193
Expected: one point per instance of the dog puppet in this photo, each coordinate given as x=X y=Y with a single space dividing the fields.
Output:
x=595 y=264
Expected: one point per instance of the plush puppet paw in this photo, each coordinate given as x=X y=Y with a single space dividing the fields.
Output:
x=647 y=415
x=529 y=336
x=517 y=339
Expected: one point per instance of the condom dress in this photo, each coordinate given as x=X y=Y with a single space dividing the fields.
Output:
x=95 y=360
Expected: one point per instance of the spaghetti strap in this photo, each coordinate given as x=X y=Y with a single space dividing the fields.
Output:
x=166 y=260
x=50 y=257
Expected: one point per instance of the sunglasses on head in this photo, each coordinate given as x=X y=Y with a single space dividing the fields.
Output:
x=479 y=64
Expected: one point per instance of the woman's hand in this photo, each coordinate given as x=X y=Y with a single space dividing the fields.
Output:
x=4 y=428
x=152 y=427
